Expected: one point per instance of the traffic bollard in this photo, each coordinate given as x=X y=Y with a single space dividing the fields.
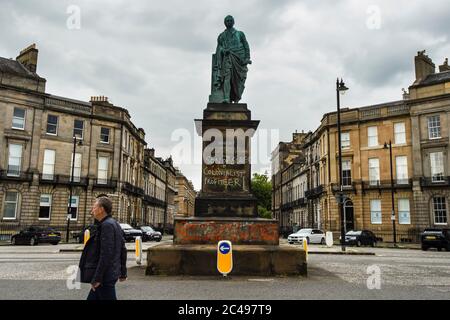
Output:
x=138 y=243
x=87 y=235
x=305 y=248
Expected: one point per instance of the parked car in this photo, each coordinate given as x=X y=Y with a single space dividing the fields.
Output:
x=129 y=233
x=311 y=236
x=149 y=234
x=361 y=238
x=80 y=235
x=435 y=238
x=35 y=234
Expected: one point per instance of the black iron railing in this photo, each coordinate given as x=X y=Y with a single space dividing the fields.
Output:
x=62 y=179
x=14 y=175
x=435 y=182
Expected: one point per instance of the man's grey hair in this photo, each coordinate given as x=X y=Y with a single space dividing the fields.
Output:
x=106 y=204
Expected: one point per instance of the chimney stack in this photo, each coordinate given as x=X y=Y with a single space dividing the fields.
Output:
x=28 y=58
x=424 y=66
x=444 y=67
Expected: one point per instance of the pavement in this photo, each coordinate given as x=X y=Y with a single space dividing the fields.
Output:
x=44 y=272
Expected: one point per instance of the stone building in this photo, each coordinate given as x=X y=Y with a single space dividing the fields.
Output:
x=185 y=197
x=37 y=146
x=417 y=127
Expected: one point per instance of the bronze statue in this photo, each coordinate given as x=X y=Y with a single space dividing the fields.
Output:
x=230 y=62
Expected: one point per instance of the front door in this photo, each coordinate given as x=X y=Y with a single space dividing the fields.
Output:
x=349 y=216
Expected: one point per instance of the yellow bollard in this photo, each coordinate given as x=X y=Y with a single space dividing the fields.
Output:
x=305 y=248
x=138 y=242
x=87 y=235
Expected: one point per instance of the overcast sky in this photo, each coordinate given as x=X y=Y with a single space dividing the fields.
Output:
x=154 y=57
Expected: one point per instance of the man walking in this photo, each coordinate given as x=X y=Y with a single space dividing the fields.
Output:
x=104 y=257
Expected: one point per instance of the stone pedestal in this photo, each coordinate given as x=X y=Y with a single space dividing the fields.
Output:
x=240 y=231
x=248 y=260
x=226 y=130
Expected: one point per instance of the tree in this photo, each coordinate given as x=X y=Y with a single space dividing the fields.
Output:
x=262 y=189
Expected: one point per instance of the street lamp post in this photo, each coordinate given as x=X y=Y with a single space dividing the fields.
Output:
x=386 y=146
x=340 y=89
x=69 y=208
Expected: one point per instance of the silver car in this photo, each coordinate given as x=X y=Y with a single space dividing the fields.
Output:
x=311 y=236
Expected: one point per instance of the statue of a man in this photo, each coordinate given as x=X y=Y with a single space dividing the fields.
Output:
x=230 y=64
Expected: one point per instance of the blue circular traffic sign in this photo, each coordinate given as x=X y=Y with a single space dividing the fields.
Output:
x=224 y=248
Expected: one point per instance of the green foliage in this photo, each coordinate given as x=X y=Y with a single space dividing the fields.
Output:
x=262 y=189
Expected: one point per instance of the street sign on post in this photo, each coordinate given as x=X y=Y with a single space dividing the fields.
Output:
x=138 y=243
x=87 y=235
x=224 y=257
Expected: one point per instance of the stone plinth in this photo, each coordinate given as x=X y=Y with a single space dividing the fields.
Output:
x=248 y=260
x=226 y=130
x=203 y=230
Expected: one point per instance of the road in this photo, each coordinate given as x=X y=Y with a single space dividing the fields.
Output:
x=41 y=273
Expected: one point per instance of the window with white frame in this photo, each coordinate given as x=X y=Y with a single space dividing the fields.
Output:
x=437 y=166
x=401 y=167
x=77 y=168
x=104 y=135
x=11 y=205
x=399 y=133
x=18 y=121
x=404 y=215
x=439 y=210
x=48 y=169
x=103 y=170
x=374 y=171
x=45 y=207
x=375 y=211
x=73 y=208
x=52 y=124
x=372 y=136
x=346 y=173
x=14 y=160
x=434 y=127
x=345 y=140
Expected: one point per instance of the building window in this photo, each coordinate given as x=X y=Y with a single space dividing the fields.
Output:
x=439 y=210
x=18 y=121
x=52 y=124
x=372 y=137
x=11 y=205
x=437 y=166
x=434 y=127
x=399 y=133
x=78 y=126
x=77 y=169
x=404 y=215
x=104 y=135
x=14 y=160
x=346 y=173
x=374 y=171
x=401 y=167
x=45 y=207
x=102 y=170
x=375 y=211
x=74 y=208
x=345 y=140
x=48 y=169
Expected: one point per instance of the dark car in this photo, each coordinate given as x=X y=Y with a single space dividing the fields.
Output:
x=435 y=238
x=129 y=233
x=361 y=238
x=79 y=236
x=149 y=234
x=34 y=235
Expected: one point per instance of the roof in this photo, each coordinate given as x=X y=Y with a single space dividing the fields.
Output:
x=436 y=78
x=11 y=66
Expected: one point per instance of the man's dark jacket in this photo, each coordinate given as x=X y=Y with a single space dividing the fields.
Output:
x=104 y=256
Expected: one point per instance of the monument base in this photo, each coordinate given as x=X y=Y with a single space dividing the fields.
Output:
x=210 y=230
x=200 y=260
